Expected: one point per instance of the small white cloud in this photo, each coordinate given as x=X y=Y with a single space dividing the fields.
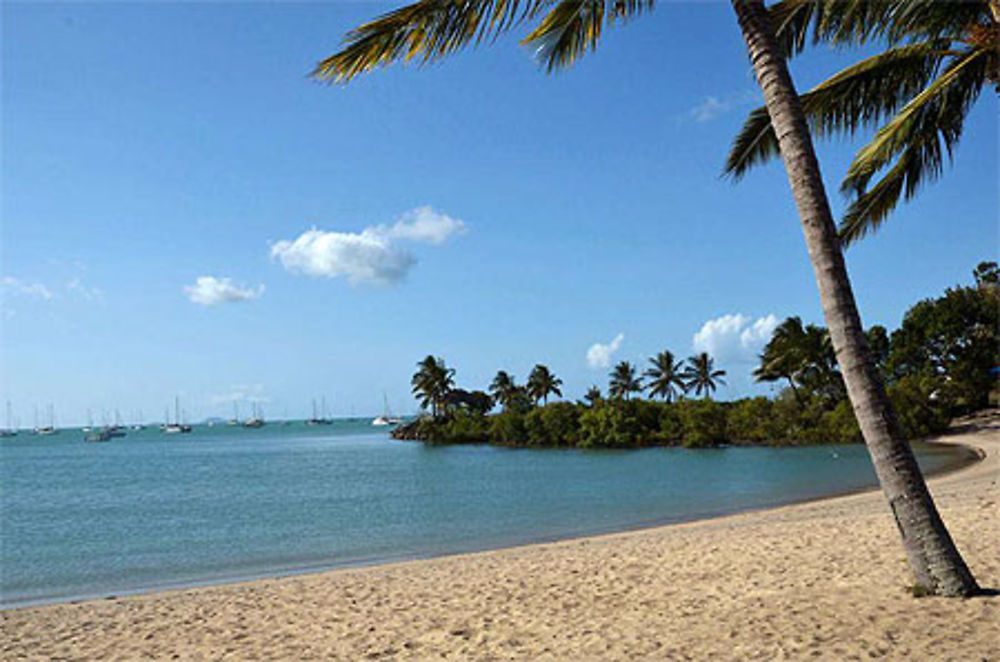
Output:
x=708 y=110
x=713 y=107
x=77 y=288
x=18 y=287
x=734 y=337
x=367 y=256
x=211 y=291
x=360 y=257
x=599 y=355
x=423 y=225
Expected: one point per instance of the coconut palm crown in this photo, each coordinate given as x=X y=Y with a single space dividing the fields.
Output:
x=664 y=378
x=541 y=383
x=624 y=381
x=432 y=382
x=917 y=92
x=701 y=375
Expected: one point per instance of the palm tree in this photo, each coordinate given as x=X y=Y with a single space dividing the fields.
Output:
x=541 y=383
x=431 y=29
x=432 y=382
x=623 y=381
x=781 y=358
x=701 y=375
x=665 y=378
x=593 y=396
x=503 y=389
x=917 y=92
x=804 y=356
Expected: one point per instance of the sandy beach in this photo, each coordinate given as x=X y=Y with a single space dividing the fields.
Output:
x=824 y=580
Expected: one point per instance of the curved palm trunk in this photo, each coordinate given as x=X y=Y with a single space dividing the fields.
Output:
x=934 y=559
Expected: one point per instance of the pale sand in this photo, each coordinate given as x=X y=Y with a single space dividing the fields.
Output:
x=824 y=580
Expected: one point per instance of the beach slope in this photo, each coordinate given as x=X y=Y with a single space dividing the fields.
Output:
x=822 y=580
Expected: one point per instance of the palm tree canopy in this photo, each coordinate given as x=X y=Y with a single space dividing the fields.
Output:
x=664 y=377
x=624 y=381
x=804 y=355
x=432 y=382
x=701 y=375
x=503 y=389
x=781 y=358
x=428 y=30
x=541 y=382
x=918 y=92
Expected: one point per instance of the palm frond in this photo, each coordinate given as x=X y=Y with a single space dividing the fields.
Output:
x=425 y=30
x=920 y=138
x=573 y=27
x=860 y=95
x=428 y=30
x=796 y=23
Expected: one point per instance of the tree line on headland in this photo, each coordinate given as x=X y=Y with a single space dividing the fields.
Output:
x=940 y=363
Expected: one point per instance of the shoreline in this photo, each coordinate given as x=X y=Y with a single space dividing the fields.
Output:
x=822 y=578
x=975 y=455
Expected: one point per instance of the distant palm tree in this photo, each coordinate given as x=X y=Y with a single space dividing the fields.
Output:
x=593 y=396
x=804 y=357
x=665 y=378
x=503 y=389
x=701 y=375
x=624 y=381
x=541 y=383
x=432 y=382
x=782 y=356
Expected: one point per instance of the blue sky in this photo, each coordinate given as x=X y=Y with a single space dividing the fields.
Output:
x=512 y=217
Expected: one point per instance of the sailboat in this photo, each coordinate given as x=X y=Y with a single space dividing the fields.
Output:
x=235 y=420
x=256 y=420
x=319 y=418
x=10 y=430
x=44 y=430
x=116 y=430
x=386 y=418
x=176 y=427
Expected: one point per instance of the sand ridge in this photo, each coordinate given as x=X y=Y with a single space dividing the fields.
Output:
x=823 y=580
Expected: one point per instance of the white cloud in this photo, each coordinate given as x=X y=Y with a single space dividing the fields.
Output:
x=424 y=225
x=599 y=355
x=734 y=337
x=713 y=107
x=19 y=287
x=371 y=255
x=708 y=110
x=76 y=287
x=756 y=335
x=365 y=256
x=211 y=291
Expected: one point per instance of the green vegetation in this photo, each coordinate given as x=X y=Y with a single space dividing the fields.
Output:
x=937 y=365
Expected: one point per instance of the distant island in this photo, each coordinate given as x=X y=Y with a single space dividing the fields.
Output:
x=941 y=363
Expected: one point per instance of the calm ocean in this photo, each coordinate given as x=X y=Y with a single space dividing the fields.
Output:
x=152 y=511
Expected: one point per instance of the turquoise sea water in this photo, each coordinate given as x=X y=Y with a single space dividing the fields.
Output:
x=152 y=510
